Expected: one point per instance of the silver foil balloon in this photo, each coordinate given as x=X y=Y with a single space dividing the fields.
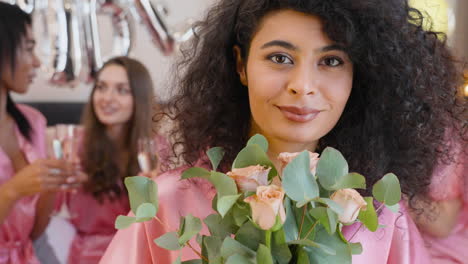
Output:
x=64 y=26
x=152 y=18
x=122 y=31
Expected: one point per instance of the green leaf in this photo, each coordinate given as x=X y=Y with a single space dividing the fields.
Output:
x=387 y=190
x=211 y=247
x=123 y=221
x=238 y=259
x=250 y=236
x=309 y=243
x=168 y=241
x=253 y=155
x=196 y=172
x=356 y=248
x=352 y=181
x=264 y=255
x=215 y=155
x=298 y=182
x=192 y=225
x=260 y=140
x=224 y=184
x=334 y=206
x=145 y=212
x=322 y=215
x=369 y=216
x=279 y=249
x=141 y=190
x=342 y=249
x=218 y=226
x=394 y=208
x=231 y=247
x=240 y=213
x=290 y=225
x=302 y=257
x=226 y=203
x=331 y=167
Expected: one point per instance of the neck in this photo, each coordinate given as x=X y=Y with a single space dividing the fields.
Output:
x=278 y=145
x=3 y=104
x=116 y=134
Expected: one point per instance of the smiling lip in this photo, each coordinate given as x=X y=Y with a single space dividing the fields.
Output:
x=299 y=114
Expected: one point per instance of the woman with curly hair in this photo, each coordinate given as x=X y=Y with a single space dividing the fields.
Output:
x=360 y=76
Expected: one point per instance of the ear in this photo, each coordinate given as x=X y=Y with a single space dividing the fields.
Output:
x=240 y=65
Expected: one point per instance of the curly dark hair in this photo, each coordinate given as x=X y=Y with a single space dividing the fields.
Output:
x=402 y=102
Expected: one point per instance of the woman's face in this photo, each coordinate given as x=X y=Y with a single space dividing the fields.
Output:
x=112 y=98
x=26 y=65
x=298 y=79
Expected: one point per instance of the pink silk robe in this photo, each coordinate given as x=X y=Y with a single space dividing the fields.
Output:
x=398 y=243
x=94 y=222
x=450 y=181
x=15 y=243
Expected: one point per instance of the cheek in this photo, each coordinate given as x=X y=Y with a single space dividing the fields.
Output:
x=127 y=104
x=338 y=93
x=263 y=84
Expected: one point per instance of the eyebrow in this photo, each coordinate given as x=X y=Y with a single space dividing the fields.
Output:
x=287 y=45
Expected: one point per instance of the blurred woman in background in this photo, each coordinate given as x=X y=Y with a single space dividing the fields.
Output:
x=28 y=181
x=117 y=116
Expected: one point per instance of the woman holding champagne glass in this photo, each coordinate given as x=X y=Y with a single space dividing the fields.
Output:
x=28 y=181
x=116 y=126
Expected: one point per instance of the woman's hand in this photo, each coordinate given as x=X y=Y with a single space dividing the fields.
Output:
x=151 y=174
x=43 y=175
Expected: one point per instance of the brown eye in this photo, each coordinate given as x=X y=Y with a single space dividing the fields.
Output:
x=281 y=59
x=333 y=61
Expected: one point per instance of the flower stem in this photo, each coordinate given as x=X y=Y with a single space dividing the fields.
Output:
x=302 y=221
x=196 y=252
x=311 y=229
x=268 y=239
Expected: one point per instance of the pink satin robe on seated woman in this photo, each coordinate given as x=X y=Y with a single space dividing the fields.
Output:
x=398 y=243
x=94 y=220
x=15 y=242
x=450 y=181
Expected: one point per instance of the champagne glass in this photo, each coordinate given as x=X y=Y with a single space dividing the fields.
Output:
x=64 y=146
x=147 y=158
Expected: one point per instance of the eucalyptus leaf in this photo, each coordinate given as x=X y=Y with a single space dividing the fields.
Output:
x=332 y=220
x=218 y=226
x=279 y=249
x=321 y=215
x=250 y=236
x=260 y=140
x=253 y=155
x=331 y=167
x=231 y=247
x=264 y=255
x=368 y=217
x=352 y=181
x=226 y=203
x=302 y=256
x=141 y=190
x=356 y=248
x=298 y=182
x=309 y=243
x=331 y=204
x=168 y=241
x=192 y=225
x=196 y=172
x=215 y=155
x=123 y=221
x=224 y=184
x=387 y=190
x=211 y=247
x=290 y=225
x=394 y=208
x=193 y=261
x=177 y=261
x=145 y=212
x=342 y=250
x=240 y=213
x=238 y=259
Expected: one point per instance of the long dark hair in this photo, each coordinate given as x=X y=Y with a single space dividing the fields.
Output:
x=99 y=156
x=13 y=23
x=402 y=101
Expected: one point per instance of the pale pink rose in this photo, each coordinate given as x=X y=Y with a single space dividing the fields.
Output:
x=286 y=158
x=351 y=202
x=266 y=205
x=249 y=178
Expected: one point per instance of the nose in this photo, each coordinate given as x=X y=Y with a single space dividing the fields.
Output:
x=36 y=61
x=303 y=81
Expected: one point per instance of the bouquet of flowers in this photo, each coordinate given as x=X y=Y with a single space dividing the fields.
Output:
x=263 y=215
